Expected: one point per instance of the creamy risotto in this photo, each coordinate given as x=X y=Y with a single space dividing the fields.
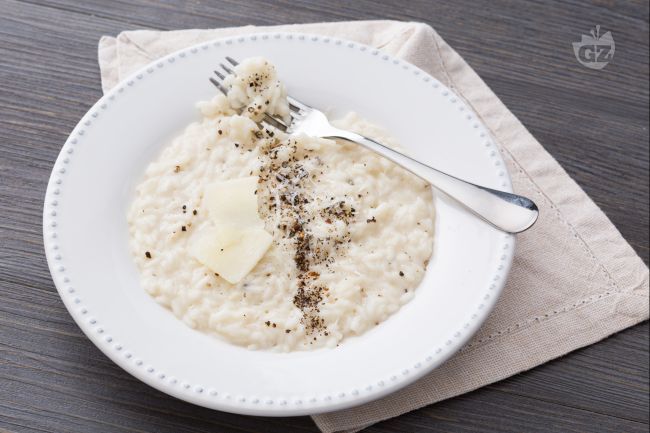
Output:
x=351 y=232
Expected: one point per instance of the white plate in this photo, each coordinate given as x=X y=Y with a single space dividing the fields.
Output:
x=85 y=230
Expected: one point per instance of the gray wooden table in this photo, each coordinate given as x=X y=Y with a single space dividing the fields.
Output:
x=594 y=122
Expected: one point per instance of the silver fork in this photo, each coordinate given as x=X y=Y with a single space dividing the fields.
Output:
x=509 y=212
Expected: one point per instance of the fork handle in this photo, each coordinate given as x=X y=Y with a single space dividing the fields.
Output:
x=508 y=212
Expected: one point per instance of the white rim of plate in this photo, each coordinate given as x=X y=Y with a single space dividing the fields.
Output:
x=222 y=399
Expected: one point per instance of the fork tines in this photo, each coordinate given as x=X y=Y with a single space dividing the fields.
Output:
x=218 y=83
x=294 y=104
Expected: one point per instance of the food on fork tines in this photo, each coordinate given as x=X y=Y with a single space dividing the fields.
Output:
x=277 y=242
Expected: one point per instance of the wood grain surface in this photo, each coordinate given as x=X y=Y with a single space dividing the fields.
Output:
x=52 y=379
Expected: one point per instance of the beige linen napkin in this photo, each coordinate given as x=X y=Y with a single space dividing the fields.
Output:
x=575 y=280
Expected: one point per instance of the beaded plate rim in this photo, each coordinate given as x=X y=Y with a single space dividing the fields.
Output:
x=202 y=394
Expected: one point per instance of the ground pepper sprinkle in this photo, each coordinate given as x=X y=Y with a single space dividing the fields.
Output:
x=284 y=194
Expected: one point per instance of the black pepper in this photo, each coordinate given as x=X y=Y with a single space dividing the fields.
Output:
x=284 y=192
